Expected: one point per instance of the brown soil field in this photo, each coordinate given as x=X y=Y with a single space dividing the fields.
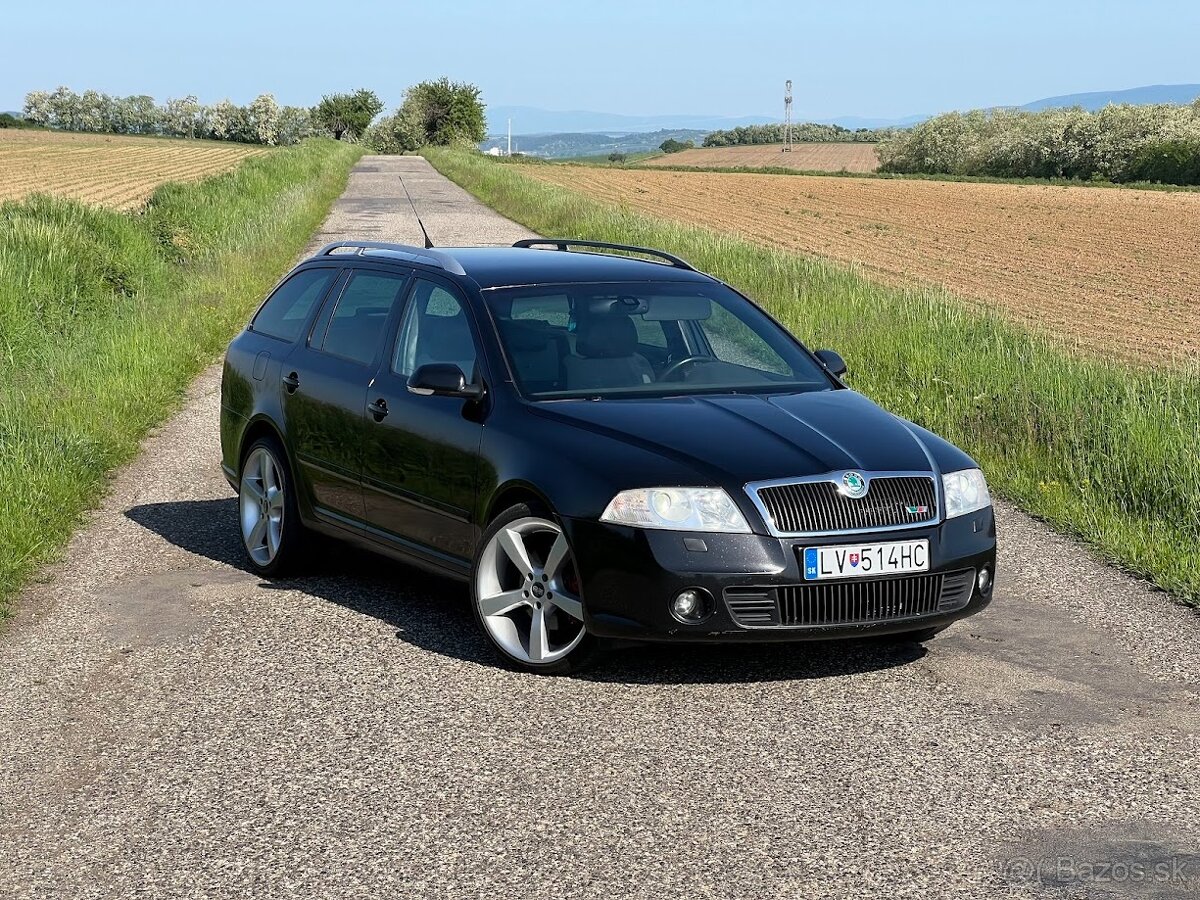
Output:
x=117 y=171
x=802 y=158
x=1110 y=269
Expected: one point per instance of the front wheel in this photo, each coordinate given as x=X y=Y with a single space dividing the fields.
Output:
x=526 y=595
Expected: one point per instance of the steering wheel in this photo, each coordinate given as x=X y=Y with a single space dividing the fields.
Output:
x=676 y=366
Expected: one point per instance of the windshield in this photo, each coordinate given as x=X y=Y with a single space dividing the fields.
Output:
x=628 y=339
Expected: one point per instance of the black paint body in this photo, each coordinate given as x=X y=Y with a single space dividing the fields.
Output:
x=421 y=482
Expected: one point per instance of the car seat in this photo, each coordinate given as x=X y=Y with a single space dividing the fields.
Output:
x=606 y=355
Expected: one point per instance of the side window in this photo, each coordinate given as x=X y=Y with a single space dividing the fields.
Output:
x=733 y=341
x=435 y=329
x=650 y=333
x=285 y=312
x=355 y=329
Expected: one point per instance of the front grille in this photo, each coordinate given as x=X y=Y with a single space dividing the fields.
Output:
x=849 y=602
x=817 y=507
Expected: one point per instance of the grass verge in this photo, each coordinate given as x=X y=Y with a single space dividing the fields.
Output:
x=105 y=317
x=1101 y=451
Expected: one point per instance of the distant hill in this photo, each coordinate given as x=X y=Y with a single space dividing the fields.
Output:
x=856 y=122
x=529 y=120
x=565 y=144
x=1140 y=96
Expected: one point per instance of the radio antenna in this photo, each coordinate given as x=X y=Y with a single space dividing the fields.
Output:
x=787 y=116
x=424 y=233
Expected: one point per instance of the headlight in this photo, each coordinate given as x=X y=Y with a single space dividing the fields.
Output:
x=966 y=492
x=679 y=509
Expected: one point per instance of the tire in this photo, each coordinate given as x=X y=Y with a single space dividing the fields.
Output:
x=526 y=596
x=266 y=494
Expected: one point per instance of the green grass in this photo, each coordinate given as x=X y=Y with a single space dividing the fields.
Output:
x=105 y=317
x=1101 y=451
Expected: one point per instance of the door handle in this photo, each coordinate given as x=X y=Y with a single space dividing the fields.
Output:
x=291 y=381
x=378 y=409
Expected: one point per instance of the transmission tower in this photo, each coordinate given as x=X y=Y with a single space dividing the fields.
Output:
x=787 y=117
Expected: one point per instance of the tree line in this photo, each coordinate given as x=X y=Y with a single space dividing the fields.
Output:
x=433 y=112
x=263 y=121
x=1119 y=143
x=803 y=133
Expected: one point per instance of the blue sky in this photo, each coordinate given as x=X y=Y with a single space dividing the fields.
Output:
x=858 y=57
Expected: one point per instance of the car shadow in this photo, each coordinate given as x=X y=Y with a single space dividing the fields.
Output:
x=434 y=613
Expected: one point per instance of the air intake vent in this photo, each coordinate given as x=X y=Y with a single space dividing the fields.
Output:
x=850 y=602
x=956 y=590
x=753 y=607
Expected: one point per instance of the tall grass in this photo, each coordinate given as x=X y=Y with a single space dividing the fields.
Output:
x=1100 y=450
x=105 y=317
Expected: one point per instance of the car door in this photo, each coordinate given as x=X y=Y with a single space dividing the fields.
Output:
x=324 y=384
x=420 y=459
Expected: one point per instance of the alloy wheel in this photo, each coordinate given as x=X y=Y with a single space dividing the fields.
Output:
x=527 y=590
x=261 y=504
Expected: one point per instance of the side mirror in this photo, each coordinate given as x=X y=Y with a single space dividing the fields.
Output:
x=833 y=361
x=443 y=380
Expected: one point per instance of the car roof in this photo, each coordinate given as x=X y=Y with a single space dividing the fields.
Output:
x=492 y=267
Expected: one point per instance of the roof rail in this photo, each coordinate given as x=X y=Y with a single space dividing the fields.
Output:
x=412 y=254
x=565 y=244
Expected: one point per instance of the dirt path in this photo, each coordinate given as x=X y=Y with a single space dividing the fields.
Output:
x=171 y=726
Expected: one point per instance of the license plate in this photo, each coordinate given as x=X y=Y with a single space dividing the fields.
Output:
x=864 y=560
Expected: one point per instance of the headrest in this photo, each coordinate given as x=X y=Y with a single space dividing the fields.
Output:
x=606 y=337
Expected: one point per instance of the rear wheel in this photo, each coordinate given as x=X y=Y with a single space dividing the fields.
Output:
x=269 y=522
x=526 y=595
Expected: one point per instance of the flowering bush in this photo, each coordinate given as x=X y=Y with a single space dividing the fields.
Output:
x=262 y=122
x=1118 y=143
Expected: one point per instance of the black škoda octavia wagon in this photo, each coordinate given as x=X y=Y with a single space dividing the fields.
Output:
x=603 y=446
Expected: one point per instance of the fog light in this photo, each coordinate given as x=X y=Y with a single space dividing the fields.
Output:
x=691 y=606
x=985 y=580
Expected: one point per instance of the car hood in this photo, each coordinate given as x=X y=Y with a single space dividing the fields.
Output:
x=741 y=438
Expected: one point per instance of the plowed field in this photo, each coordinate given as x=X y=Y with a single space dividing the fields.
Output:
x=1114 y=270
x=802 y=157
x=117 y=171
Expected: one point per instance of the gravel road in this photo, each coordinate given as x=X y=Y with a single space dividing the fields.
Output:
x=172 y=726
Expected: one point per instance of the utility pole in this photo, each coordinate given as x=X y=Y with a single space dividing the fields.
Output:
x=787 y=117
x=510 y=136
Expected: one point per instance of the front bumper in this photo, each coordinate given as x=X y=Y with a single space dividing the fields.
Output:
x=630 y=576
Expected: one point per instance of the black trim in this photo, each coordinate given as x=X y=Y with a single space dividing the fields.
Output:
x=565 y=245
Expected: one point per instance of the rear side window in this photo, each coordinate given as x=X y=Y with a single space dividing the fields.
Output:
x=355 y=330
x=285 y=312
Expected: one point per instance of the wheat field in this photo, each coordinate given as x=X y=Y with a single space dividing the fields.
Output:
x=116 y=171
